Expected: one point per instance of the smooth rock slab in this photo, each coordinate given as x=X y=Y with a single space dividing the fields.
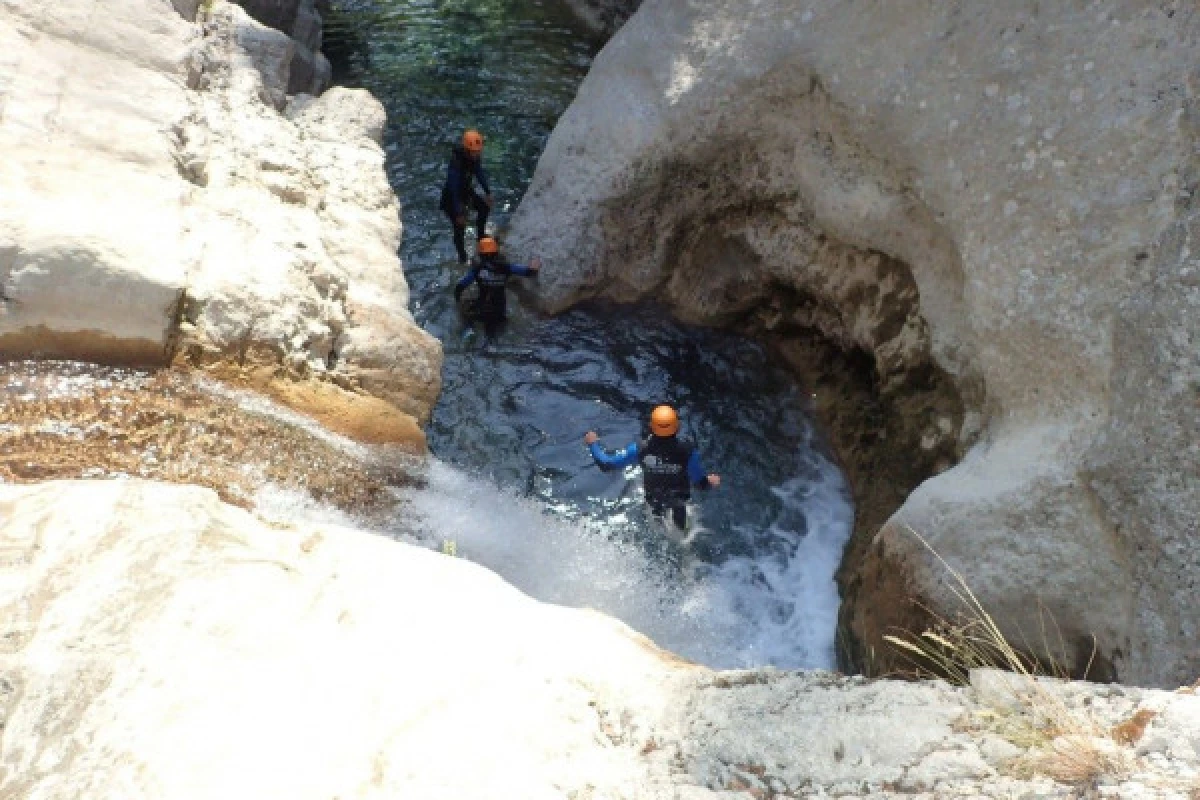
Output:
x=155 y=642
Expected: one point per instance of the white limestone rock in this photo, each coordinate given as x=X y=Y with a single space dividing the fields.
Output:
x=159 y=643
x=156 y=204
x=200 y=653
x=1005 y=195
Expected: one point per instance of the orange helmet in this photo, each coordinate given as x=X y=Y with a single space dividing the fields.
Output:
x=488 y=246
x=664 y=421
x=473 y=142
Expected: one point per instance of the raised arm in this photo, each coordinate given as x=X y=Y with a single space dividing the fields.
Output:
x=611 y=459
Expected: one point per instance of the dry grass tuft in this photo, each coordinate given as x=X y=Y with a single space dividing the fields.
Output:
x=67 y=420
x=1076 y=759
x=1062 y=743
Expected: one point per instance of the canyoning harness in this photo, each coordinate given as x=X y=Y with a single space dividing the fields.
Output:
x=459 y=188
x=671 y=467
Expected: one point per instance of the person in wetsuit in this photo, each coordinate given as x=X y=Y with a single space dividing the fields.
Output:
x=459 y=195
x=491 y=271
x=671 y=466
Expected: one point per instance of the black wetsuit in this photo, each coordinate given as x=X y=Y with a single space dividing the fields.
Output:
x=671 y=468
x=492 y=274
x=459 y=196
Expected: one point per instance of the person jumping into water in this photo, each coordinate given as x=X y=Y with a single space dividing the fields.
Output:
x=459 y=195
x=491 y=271
x=670 y=466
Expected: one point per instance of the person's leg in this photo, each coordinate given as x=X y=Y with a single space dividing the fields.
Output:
x=493 y=326
x=460 y=238
x=481 y=210
x=679 y=517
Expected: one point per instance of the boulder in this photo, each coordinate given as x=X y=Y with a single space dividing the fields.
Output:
x=165 y=202
x=968 y=226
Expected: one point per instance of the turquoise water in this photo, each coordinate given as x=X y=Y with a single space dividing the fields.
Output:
x=755 y=584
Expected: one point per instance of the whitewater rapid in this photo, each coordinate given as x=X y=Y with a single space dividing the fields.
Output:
x=777 y=607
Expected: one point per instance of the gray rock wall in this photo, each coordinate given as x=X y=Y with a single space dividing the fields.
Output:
x=967 y=224
x=604 y=16
x=309 y=70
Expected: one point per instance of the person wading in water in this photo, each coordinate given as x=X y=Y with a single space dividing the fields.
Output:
x=491 y=271
x=459 y=195
x=671 y=466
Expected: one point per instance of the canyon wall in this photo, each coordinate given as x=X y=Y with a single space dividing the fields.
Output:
x=167 y=200
x=968 y=225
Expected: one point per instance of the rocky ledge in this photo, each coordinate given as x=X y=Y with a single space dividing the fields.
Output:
x=167 y=201
x=205 y=653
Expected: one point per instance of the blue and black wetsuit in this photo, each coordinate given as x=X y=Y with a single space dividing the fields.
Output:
x=459 y=196
x=671 y=468
x=491 y=272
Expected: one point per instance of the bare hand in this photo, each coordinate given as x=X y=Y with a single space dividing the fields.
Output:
x=590 y=437
x=714 y=480
x=535 y=264
x=460 y=221
x=488 y=199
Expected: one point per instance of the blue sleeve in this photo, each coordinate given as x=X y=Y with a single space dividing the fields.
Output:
x=696 y=472
x=519 y=269
x=482 y=176
x=465 y=280
x=453 y=181
x=612 y=460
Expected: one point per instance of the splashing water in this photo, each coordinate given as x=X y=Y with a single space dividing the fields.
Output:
x=774 y=607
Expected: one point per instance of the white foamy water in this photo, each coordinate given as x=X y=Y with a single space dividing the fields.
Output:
x=778 y=606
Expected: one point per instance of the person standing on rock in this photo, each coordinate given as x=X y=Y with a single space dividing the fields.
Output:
x=491 y=271
x=459 y=195
x=671 y=466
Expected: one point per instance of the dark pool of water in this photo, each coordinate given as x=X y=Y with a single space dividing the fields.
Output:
x=514 y=410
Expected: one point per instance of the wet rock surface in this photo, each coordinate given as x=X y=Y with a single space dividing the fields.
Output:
x=71 y=420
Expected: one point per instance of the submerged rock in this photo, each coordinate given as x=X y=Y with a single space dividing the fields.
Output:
x=165 y=201
x=970 y=227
